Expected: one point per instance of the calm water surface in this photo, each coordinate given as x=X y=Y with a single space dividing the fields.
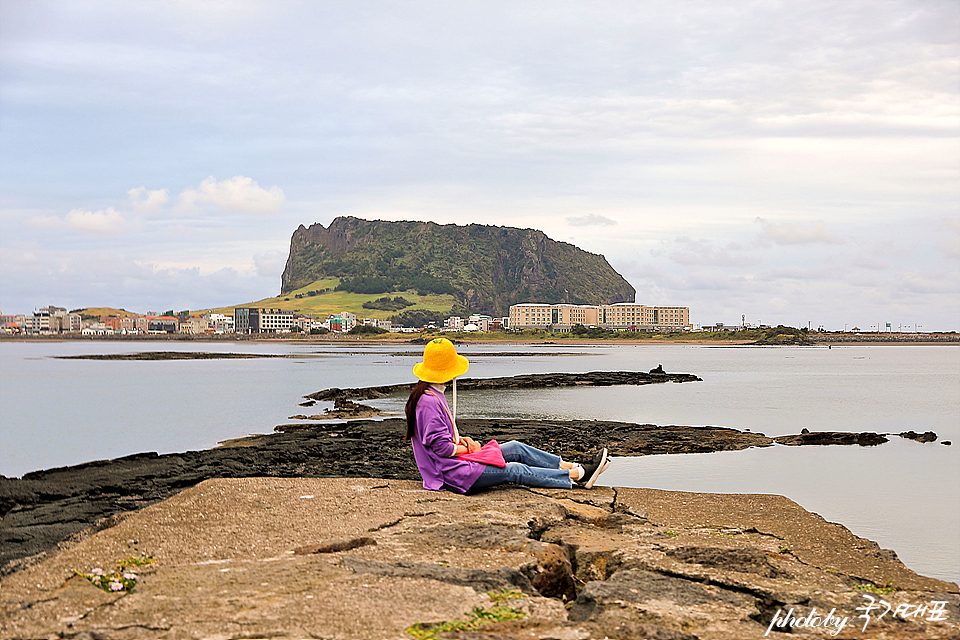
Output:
x=904 y=495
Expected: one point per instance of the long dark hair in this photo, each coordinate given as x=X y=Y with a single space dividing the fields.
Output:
x=411 y=410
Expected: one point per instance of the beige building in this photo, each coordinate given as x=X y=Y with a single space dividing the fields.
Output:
x=54 y=320
x=628 y=316
x=562 y=317
x=639 y=317
x=194 y=325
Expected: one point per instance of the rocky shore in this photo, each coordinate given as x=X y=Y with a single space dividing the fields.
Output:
x=362 y=558
x=528 y=381
x=309 y=531
x=45 y=508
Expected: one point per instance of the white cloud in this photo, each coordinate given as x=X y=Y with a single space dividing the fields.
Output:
x=270 y=264
x=948 y=241
x=148 y=201
x=702 y=252
x=786 y=233
x=109 y=222
x=920 y=283
x=589 y=220
x=238 y=193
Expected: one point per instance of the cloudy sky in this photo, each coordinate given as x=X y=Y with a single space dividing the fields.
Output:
x=791 y=162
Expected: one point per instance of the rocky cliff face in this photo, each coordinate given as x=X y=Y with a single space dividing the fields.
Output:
x=490 y=267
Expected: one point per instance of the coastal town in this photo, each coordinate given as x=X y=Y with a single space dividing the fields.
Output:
x=556 y=318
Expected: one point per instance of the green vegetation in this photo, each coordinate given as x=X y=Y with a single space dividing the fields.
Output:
x=123 y=578
x=478 y=617
x=366 y=330
x=326 y=300
x=886 y=589
x=420 y=318
x=388 y=304
x=775 y=335
x=482 y=267
x=506 y=594
x=424 y=285
x=596 y=333
x=95 y=313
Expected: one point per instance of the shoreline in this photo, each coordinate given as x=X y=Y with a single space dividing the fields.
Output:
x=817 y=340
x=43 y=509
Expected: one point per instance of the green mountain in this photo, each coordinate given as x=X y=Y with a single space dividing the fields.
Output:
x=486 y=268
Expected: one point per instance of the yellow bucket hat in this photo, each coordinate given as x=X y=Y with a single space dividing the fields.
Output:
x=441 y=362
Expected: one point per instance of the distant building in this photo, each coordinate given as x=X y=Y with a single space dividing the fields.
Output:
x=342 y=323
x=638 y=317
x=54 y=320
x=481 y=322
x=255 y=320
x=377 y=322
x=624 y=316
x=241 y=320
x=163 y=324
x=195 y=325
x=221 y=323
x=13 y=323
x=557 y=317
x=96 y=329
x=720 y=327
x=275 y=321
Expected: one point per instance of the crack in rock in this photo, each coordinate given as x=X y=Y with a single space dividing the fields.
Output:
x=479 y=580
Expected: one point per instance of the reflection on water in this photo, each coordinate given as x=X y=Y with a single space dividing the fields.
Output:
x=904 y=495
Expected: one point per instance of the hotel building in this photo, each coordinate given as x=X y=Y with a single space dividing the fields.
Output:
x=254 y=320
x=624 y=316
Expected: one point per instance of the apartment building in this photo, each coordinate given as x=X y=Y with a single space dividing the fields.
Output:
x=126 y=324
x=163 y=324
x=639 y=317
x=54 y=320
x=275 y=321
x=377 y=322
x=620 y=316
x=221 y=323
x=195 y=325
x=341 y=323
x=255 y=320
x=562 y=317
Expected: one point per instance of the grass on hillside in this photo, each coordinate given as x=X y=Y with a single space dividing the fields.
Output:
x=95 y=313
x=332 y=302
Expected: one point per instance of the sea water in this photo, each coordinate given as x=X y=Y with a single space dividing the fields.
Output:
x=902 y=494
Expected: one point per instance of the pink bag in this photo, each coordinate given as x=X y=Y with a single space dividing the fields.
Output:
x=488 y=454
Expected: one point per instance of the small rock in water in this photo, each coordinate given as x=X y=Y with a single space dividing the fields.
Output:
x=928 y=436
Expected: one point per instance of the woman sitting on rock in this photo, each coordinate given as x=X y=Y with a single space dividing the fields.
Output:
x=448 y=461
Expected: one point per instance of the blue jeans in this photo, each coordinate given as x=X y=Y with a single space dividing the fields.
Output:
x=526 y=465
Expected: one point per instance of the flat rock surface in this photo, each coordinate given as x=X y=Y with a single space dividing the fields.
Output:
x=45 y=507
x=357 y=558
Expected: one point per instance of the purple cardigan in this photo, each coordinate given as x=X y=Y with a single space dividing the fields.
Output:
x=433 y=448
